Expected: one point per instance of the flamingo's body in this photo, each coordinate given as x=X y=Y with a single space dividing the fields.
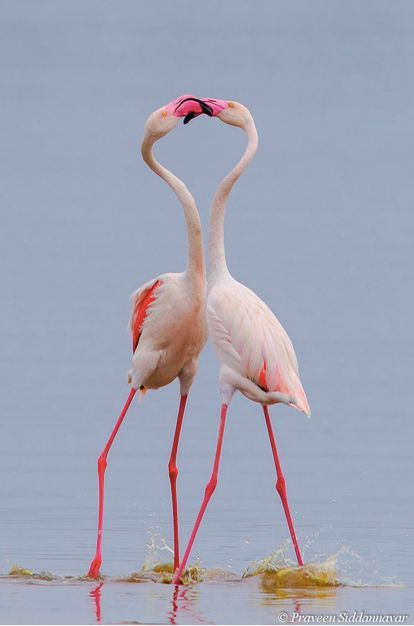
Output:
x=172 y=332
x=168 y=322
x=255 y=353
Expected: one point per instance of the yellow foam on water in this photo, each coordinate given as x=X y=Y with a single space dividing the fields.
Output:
x=311 y=575
x=164 y=572
x=277 y=572
x=21 y=572
x=192 y=574
x=163 y=568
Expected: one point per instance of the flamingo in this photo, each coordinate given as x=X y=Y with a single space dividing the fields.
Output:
x=255 y=353
x=168 y=322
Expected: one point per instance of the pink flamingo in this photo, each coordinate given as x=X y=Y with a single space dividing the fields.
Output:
x=168 y=322
x=255 y=353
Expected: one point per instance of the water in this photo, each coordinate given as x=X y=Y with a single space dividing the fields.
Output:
x=273 y=591
x=320 y=226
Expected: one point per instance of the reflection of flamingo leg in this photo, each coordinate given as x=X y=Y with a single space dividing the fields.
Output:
x=95 y=593
x=173 y=613
x=182 y=601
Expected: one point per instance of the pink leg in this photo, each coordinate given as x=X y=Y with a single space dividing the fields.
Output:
x=211 y=485
x=96 y=563
x=281 y=486
x=173 y=472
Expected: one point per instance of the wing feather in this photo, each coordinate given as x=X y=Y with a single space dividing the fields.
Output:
x=256 y=342
x=141 y=300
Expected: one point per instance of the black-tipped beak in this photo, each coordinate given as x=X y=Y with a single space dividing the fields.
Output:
x=205 y=108
x=189 y=117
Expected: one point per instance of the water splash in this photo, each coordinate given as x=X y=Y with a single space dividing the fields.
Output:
x=355 y=571
x=277 y=572
x=157 y=569
x=155 y=552
x=272 y=563
x=343 y=568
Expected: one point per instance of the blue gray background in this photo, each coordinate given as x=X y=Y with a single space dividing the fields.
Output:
x=320 y=226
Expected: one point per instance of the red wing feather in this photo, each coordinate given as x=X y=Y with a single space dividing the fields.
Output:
x=140 y=312
x=262 y=378
x=280 y=385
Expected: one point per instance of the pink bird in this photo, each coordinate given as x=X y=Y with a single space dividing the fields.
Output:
x=168 y=321
x=255 y=353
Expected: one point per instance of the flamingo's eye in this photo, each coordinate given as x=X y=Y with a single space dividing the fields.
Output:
x=164 y=113
x=230 y=104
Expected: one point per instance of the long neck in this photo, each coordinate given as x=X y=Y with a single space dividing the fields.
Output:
x=195 y=255
x=218 y=265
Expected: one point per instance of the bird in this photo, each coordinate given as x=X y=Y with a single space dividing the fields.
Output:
x=168 y=322
x=255 y=353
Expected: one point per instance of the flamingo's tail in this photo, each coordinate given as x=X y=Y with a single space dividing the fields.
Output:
x=289 y=384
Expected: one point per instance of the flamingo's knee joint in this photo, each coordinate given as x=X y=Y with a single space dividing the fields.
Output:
x=281 y=486
x=211 y=485
x=102 y=463
x=172 y=470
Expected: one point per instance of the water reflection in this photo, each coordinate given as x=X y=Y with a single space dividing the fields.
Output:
x=272 y=593
x=95 y=594
x=298 y=590
x=172 y=616
x=183 y=601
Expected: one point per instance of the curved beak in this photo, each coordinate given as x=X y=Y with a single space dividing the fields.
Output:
x=191 y=107
x=216 y=106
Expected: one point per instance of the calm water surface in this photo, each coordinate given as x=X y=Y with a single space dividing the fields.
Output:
x=321 y=227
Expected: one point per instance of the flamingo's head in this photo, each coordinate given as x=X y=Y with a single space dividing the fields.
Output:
x=228 y=111
x=163 y=120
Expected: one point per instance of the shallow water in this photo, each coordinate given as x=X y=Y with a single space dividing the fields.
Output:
x=271 y=590
x=113 y=602
x=271 y=596
x=321 y=227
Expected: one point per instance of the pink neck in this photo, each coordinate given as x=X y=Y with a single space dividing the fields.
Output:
x=195 y=255
x=218 y=265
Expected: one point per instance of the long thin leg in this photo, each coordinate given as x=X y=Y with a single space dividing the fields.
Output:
x=281 y=485
x=173 y=472
x=211 y=485
x=96 y=563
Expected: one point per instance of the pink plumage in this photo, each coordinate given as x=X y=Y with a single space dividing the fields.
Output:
x=255 y=353
x=168 y=322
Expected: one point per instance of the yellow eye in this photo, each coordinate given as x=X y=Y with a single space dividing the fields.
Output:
x=231 y=104
x=164 y=113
